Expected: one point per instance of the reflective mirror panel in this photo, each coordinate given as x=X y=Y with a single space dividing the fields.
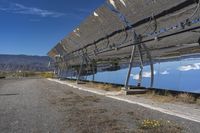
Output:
x=166 y=35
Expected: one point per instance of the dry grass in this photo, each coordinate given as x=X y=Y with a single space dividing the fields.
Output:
x=186 y=98
x=161 y=98
x=198 y=101
x=106 y=87
x=168 y=97
x=27 y=74
x=46 y=74
x=71 y=81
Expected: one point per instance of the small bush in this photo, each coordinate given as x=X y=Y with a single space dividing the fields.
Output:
x=158 y=126
x=149 y=124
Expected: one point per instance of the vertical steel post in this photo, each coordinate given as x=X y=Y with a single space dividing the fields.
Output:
x=141 y=66
x=151 y=64
x=80 y=70
x=59 y=73
x=93 y=71
x=136 y=40
x=84 y=60
x=130 y=68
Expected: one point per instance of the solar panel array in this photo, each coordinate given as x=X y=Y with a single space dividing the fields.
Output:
x=107 y=34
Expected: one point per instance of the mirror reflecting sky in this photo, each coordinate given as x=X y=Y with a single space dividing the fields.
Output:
x=181 y=74
x=176 y=67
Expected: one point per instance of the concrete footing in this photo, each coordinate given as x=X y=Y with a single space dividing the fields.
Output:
x=80 y=82
x=134 y=91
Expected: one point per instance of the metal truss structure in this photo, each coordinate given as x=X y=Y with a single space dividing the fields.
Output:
x=130 y=33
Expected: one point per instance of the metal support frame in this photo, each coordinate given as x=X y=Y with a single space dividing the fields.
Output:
x=141 y=65
x=58 y=73
x=93 y=71
x=129 y=68
x=57 y=68
x=151 y=63
x=137 y=39
x=84 y=60
x=80 y=71
x=138 y=45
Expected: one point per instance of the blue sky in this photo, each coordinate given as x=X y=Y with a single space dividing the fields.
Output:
x=33 y=27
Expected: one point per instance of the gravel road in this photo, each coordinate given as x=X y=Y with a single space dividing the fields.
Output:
x=42 y=106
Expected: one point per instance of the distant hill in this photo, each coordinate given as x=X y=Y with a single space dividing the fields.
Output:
x=24 y=63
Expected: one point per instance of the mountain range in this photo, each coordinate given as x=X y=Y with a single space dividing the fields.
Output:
x=24 y=63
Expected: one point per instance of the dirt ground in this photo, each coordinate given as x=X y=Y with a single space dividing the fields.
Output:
x=41 y=106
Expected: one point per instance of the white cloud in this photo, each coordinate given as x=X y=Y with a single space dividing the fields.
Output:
x=164 y=73
x=144 y=75
x=195 y=66
x=21 y=9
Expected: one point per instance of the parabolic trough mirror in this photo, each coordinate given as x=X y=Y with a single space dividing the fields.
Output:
x=156 y=42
